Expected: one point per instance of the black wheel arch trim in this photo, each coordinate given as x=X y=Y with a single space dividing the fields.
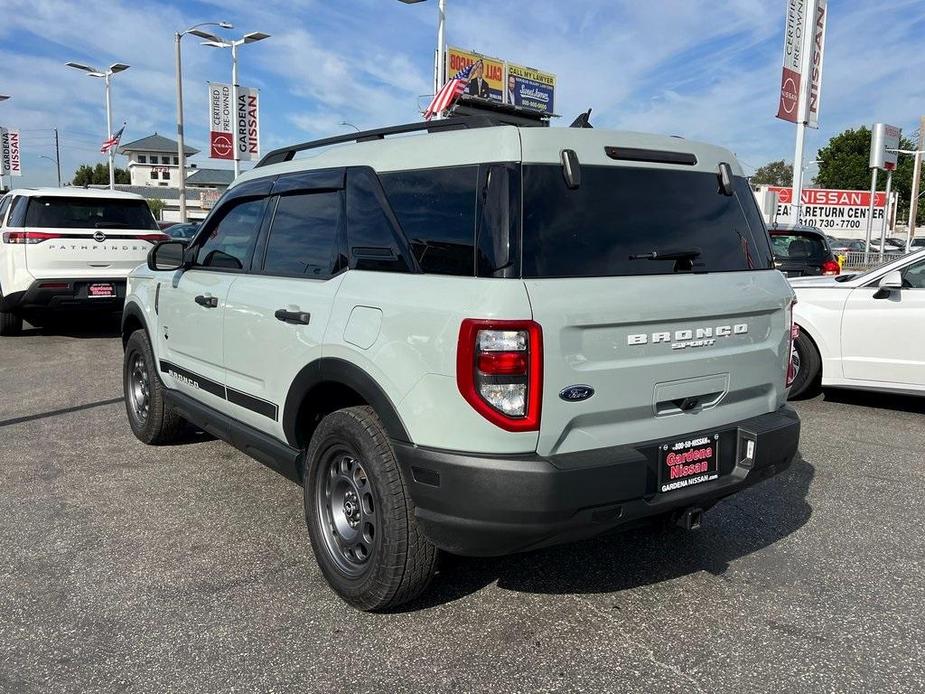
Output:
x=339 y=371
x=133 y=310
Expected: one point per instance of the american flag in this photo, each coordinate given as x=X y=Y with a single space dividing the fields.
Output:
x=112 y=141
x=450 y=91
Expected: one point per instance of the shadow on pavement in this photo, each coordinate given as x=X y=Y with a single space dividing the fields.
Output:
x=737 y=527
x=55 y=413
x=884 y=401
x=85 y=325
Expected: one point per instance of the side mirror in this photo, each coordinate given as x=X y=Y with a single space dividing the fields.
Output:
x=167 y=256
x=890 y=281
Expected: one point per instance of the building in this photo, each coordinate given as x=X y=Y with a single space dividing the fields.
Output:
x=154 y=170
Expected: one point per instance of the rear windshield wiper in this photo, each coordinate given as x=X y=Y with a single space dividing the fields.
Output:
x=683 y=259
x=687 y=254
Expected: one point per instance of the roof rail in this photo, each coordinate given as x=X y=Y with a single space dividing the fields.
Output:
x=455 y=123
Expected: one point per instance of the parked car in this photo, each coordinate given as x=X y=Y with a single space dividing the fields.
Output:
x=69 y=248
x=802 y=250
x=839 y=246
x=481 y=339
x=182 y=231
x=863 y=331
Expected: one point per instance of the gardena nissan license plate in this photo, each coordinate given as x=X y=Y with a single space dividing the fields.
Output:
x=101 y=290
x=689 y=462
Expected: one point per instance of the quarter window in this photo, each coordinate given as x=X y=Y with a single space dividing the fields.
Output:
x=230 y=243
x=303 y=236
x=370 y=235
x=436 y=210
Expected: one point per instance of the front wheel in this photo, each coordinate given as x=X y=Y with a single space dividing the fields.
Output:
x=360 y=516
x=153 y=421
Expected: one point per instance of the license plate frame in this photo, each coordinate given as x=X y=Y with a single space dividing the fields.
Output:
x=688 y=462
x=101 y=290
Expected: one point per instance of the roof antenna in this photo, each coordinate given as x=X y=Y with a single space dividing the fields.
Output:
x=583 y=120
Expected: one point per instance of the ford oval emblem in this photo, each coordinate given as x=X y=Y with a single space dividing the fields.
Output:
x=576 y=393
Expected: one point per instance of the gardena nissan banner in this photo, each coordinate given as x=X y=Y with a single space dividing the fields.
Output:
x=10 y=162
x=221 y=121
x=247 y=124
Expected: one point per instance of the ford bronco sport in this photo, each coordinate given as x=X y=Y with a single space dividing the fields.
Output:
x=477 y=338
x=67 y=248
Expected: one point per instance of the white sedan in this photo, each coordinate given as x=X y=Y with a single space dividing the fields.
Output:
x=863 y=331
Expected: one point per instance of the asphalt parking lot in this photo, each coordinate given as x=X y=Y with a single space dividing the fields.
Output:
x=187 y=569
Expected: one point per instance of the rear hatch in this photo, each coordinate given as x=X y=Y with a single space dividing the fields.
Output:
x=668 y=346
x=799 y=254
x=87 y=237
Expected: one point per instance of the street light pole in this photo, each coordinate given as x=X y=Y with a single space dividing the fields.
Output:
x=181 y=150
x=440 y=56
x=110 y=153
x=107 y=77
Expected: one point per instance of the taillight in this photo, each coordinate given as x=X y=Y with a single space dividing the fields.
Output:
x=499 y=371
x=794 y=334
x=155 y=238
x=28 y=237
x=831 y=267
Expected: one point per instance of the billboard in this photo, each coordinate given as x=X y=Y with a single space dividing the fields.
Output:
x=831 y=210
x=530 y=88
x=804 y=47
x=221 y=121
x=487 y=83
x=10 y=162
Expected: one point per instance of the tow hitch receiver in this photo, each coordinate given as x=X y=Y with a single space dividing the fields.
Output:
x=690 y=518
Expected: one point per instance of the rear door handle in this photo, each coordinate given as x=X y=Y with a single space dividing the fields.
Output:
x=207 y=301
x=297 y=317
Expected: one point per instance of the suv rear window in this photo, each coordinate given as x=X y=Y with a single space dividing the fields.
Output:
x=796 y=246
x=88 y=213
x=618 y=212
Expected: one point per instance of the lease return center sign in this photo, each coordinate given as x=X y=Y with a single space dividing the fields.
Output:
x=841 y=210
x=234 y=122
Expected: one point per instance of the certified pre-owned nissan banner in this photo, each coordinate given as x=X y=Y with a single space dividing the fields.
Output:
x=221 y=121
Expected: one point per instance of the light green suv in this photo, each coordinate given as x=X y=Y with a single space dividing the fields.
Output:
x=474 y=337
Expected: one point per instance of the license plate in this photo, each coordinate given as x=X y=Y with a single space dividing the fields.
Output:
x=101 y=290
x=685 y=463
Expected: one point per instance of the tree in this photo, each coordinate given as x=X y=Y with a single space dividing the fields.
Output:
x=87 y=175
x=774 y=173
x=844 y=164
x=157 y=206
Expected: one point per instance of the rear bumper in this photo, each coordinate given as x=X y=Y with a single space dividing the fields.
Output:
x=483 y=505
x=65 y=293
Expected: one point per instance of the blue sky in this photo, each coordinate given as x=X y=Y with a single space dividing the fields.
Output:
x=704 y=69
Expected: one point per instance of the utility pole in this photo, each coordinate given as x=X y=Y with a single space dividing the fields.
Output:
x=58 y=157
x=916 y=176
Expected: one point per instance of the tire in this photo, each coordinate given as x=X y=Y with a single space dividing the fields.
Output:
x=360 y=515
x=809 y=375
x=152 y=420
x=10 y=324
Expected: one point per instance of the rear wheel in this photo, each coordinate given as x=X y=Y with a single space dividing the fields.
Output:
x=808 y=365
x=360 y=516
x=152 y=420
x=10 y=324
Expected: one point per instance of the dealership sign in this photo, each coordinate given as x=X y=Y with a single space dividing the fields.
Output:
x=842 y=210
x=234 y=123
x=801 y=77
x=10 y=162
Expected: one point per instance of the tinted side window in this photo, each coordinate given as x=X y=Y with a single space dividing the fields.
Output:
x=914 y=276
x=4 y=203
x=230 y=243
x=303 y=236
x=370 y=235
x=436 y=210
